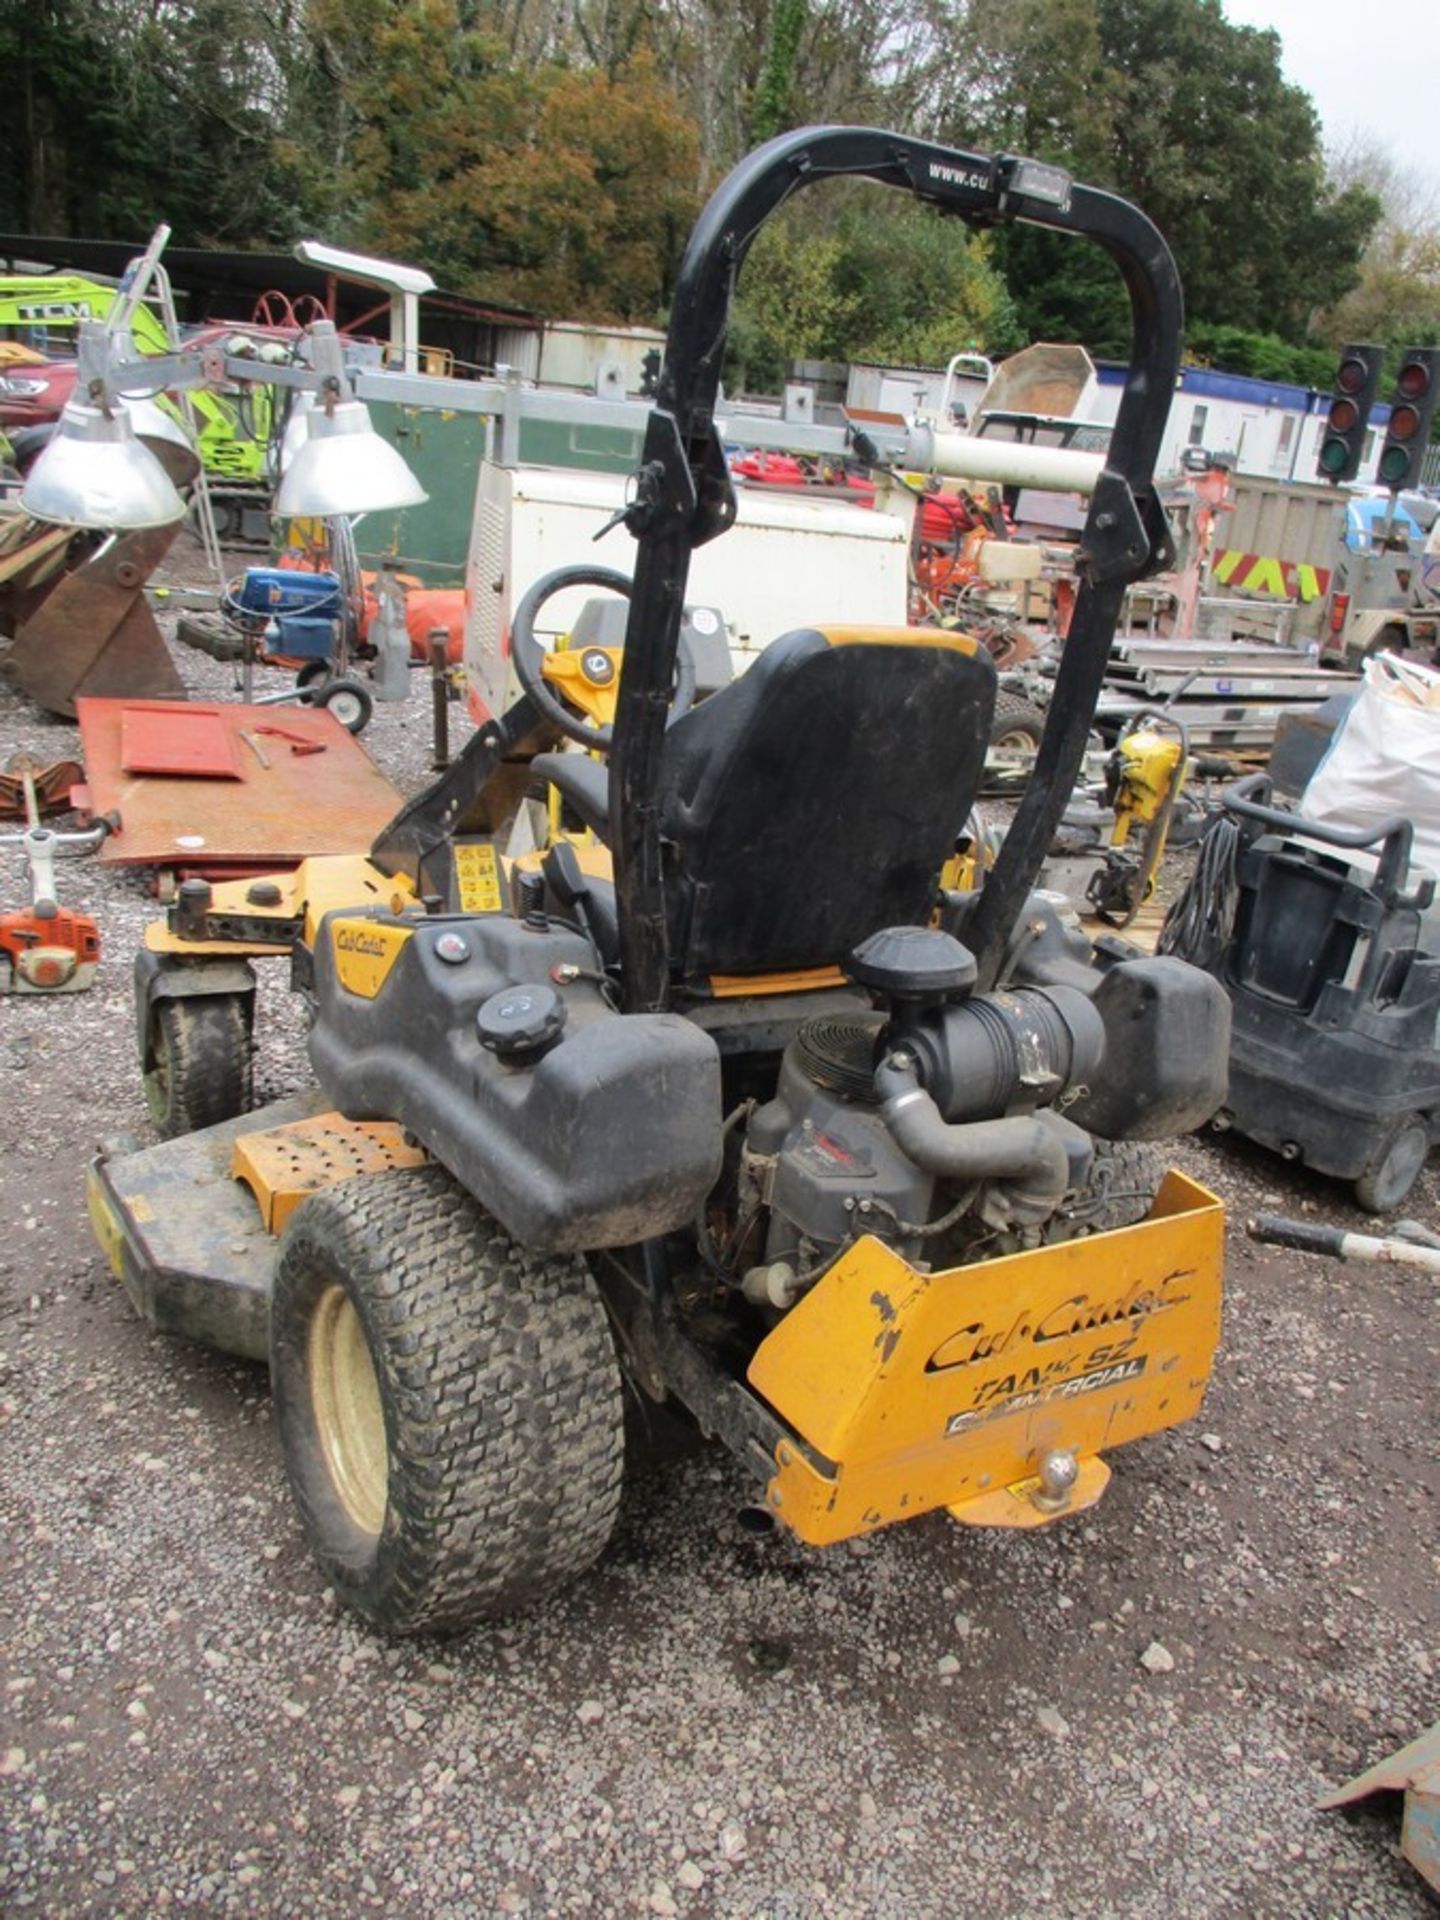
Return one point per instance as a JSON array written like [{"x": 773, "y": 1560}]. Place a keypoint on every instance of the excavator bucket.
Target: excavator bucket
[{"x": 94, "y": 633}]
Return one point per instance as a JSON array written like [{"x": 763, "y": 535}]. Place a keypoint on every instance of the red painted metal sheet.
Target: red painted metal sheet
[
  {"x": 287, "y": 803},
  {"x": 165, "y": 737}
]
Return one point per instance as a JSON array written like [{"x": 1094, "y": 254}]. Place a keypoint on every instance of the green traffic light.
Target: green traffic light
[
  {"x": 1394, "y": 465},
  {"x": 1334, "y": 455}
]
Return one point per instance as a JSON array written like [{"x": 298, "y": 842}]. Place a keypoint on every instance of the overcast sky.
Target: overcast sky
[{"x": 1376, "y": 68}]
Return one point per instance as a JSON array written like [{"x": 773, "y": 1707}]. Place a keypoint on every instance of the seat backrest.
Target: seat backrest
[{"x": 814, "y": 801}]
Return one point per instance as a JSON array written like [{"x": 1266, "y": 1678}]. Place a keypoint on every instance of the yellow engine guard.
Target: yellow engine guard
[{"x": 921, "y": 1390}]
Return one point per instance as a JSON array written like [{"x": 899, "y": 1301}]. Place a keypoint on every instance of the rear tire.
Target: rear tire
[
  {"x": 449, "y": 1405},
  {"x": 197, "y": 1062},
  {"x": 1124, "y": 1178},
  {"x": 1017, "y": 725},
  {"x": 1382, "y": 1187}
]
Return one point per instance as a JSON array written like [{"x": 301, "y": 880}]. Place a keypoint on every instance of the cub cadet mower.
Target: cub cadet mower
[{"x": 733, "y": 1106}]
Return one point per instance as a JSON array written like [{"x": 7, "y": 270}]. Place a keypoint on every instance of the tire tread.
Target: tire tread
[
  {"x": 207, "y": 1045},
  {"x": 498, "y": 1374}
]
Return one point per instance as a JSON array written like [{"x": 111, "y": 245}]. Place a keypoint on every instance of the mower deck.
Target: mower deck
[{"x": 186, "y": 1238}]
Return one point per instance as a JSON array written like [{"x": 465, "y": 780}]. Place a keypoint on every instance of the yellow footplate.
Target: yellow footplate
[
  {"x": 990, "y": 1389},
  {"x": 284, "y": 1165}
]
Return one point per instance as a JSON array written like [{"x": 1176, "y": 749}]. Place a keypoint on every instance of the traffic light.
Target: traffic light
[
  {"x": 1357, "y": 380},
  {"x": 1411, "y": 405}
]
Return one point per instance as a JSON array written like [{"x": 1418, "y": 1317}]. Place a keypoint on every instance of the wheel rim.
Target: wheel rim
[
  {"x": 1018, "y": 740},
  {"x": 349, "y": 1420},
  {"x": 346, "y": 709}
]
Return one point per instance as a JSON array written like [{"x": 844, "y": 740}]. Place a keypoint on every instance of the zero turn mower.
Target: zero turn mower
[{"x": 732, "y": 1105}]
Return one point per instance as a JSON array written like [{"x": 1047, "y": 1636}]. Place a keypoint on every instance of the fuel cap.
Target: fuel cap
[{"x": 521, "y": 1022}]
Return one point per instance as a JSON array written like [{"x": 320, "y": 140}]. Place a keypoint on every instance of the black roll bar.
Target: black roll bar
[{"x": 683, "y": 495}]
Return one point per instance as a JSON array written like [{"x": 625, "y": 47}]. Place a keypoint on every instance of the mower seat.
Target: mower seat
[{"x": 815, "y": 799}]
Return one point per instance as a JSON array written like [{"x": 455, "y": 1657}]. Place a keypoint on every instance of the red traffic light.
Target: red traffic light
[
  {"x": 1413, "y": 380},
  {"x": 1351, "y": 375}
]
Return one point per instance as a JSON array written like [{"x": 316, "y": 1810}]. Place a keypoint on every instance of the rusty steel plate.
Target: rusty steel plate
[{"x": 290, "y": 801}]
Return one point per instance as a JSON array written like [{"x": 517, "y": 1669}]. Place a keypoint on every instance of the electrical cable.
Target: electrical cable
[
  {"x": 723, "y": 1268},
  {"x": 1199, "y": 924},
  {"x": 927, "y": 1230}
]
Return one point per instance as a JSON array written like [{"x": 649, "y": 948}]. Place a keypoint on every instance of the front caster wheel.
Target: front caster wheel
[
  {"x": 197, "y": 1062},
  {"x": 449, "y": 1405}
]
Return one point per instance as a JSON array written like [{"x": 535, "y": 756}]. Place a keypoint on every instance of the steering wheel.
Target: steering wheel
[{"x": 589, "y": 675}]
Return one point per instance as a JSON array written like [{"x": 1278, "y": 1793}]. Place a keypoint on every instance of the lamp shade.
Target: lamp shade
[
  {"x": 297, "y": 429},
  {"x": 97, "y": 473},
  {"x": 344, "y": 467},
  {"x": 166, "y": 439}
]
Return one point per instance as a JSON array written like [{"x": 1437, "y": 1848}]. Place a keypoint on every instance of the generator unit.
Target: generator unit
[{"x": 784, "y": 558}]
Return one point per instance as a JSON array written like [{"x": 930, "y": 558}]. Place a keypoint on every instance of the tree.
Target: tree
[
  {"x": 1397, "y": 298},
  {"x": 855, "y": 273},
  {"x": 553, "y": 152},
  {"x": 1264, "y": 356},
  {"x": 1189, "y": 116},
  {"x": 122, "y": 115},
  {"x": 560, "y": 187},
  {"x": 773, "y": 102}
]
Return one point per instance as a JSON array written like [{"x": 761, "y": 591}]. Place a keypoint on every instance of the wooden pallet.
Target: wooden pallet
[{"x": 1143, "y": 931}]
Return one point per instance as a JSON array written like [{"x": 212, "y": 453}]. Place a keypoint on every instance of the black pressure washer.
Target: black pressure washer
[{"x": 1318, "y": 935}]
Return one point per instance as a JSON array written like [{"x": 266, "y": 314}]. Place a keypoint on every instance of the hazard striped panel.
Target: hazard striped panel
[{"x": 1268, "y": 574}]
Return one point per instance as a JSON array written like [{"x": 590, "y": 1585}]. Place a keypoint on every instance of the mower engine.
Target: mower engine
[{"x": 948, "y": 1121}]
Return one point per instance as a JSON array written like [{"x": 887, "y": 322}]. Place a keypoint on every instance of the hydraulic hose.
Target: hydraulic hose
[{"x": 1021, "y": 1151}]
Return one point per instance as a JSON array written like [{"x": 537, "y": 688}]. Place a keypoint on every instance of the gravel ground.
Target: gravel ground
[{"x": 922, "y": 1723}]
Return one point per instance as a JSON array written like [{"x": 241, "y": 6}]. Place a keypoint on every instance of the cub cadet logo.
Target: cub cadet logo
[
  {"x": 1080, "y": 1314},
  {"x": 364, "y": 954},
  {"x": 356, "y": 940}
]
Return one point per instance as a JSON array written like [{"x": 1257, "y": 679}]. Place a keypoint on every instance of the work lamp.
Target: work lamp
[
  {"x": 342, "y": 466},
  {"x": 98, "y": 472}
]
